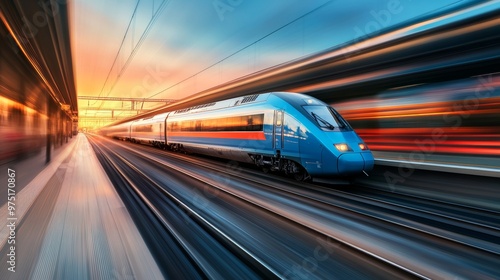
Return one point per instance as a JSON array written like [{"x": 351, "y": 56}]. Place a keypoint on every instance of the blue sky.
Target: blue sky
[{"x": 188, "y": 36}]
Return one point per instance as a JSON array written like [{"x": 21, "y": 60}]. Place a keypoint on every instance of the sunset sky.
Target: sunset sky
[{"x": 173, "y": 49}]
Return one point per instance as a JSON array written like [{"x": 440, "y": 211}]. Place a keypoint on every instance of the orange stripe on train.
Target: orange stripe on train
[{"x": 251, "y": 135}]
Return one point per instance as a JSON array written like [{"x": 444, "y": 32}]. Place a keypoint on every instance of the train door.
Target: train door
[
  {"x": 166, "y": 129},
  {"x": 278, "y": 131}
]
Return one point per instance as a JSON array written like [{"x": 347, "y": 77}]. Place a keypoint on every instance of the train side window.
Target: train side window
[
  {"x": 279, "y": 118},
  {"x": 174, "y": 126}
]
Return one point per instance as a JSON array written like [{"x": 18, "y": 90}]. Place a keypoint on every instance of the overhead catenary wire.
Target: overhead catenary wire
[
  {"x": 138, "y": 45},
  {"x": 244, "y": 48},
  {"x": 119, "y": 49}
]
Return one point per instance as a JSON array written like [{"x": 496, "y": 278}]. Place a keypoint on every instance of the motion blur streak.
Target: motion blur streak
[
  {"x": 22, "y": 130},
  {"x": 456, "y": 117},
  {"x": 299, "y": 230}
]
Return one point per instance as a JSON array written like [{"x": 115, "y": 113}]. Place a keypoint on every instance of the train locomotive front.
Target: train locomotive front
[{"x": 325, "y": 143}]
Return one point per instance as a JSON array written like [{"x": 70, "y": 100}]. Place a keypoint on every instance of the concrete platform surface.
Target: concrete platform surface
[{"x": 70, "y": 223}]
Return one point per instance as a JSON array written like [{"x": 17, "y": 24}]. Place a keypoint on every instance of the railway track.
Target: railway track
[
  {"x": 199, "y": 249},
  {"x": 416, "y": 211},
  {"x": 375, "y": 229}
]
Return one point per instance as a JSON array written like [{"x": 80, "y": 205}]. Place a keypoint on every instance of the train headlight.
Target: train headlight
[
  {"x": 363, "y": 146},
  {"x": 342, "y": 147}
]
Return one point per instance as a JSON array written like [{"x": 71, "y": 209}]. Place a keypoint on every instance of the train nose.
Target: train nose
[{"x": 350, "y": 163}]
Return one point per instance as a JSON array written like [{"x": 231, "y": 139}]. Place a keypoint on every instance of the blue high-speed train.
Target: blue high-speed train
[{"x": 279, "y": 131}]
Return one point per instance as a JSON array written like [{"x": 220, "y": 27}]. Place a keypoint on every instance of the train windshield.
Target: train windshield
[{"x": 327, "y": 117}]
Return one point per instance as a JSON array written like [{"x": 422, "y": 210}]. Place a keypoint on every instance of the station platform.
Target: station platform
[{"x": 70, "y": 223}]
